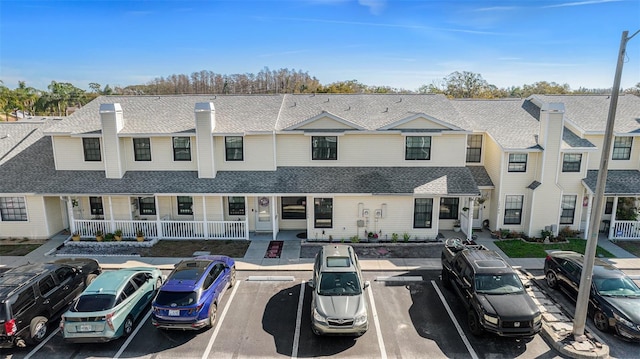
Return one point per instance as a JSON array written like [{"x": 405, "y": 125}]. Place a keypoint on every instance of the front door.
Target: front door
[
  {"x": 263, "y": 214},
  {"x": 477, "y": 215}
]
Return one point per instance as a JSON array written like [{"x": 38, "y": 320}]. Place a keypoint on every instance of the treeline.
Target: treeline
[{"x": 62, "y": 97}]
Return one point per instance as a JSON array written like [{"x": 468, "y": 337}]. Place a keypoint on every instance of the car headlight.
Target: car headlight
[
  {"x": 537, "y": 318},
  {"x": 318, "y": 317},
  {"x": 623, "y": 320},
  {"x": 490, "y": 319},
  {"x": 360, "y": 319}
]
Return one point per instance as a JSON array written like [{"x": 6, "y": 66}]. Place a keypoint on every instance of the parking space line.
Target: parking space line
[
  {"x": 133, "y": 334},
  {"x": 455, "y": 322},
  {"x": 376, "y": 322},
  {"x": 42, "y": 343},
  {"x": 220, "y": 320},
  {"x": 296, "y": 334}
]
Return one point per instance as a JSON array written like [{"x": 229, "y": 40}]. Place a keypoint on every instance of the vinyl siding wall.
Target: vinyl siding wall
[{"x": 69, "y": 155}]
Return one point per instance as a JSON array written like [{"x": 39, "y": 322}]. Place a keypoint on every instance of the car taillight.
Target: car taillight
[
  {"x": 548, "y": 257},
  {"x": 109, "y": 322},
  {"x": 196, "y": 309},
  {"x": 10, "y": 327}
]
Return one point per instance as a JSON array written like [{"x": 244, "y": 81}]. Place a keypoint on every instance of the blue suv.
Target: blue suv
[{"x": 188, "y": 300}]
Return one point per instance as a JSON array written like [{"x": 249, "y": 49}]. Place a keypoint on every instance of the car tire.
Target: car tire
[
  {"x": 552, "y": 279},
  {"x": 90, "y": 278},
  {"x": 601, "y": 321},
  {"x": 446, "y": 279},
  {"x": 232, "y": 277},
  {"x": 213, "y": 313},
  {"x": 38, "y": 330},
  {"x": 474, "y": 323},
  {"x": 127, "y": 326}
]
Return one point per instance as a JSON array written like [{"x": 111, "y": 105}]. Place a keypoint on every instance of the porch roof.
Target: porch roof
[
  {"x": 619, "y": 182},
  {"x": 33, "y": 171}
]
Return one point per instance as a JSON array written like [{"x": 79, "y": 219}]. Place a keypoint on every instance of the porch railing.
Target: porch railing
[
  {"x": 166, "y": 229},
  {"x": 625, "y": 230}
]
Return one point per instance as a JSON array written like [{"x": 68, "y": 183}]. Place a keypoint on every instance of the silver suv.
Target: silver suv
[{"x": 338, "y": 305}]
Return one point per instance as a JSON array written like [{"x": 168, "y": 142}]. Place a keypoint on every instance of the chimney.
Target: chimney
[
  {"x": 205, "y": 123},
  {"x": 112, "y": 122}
]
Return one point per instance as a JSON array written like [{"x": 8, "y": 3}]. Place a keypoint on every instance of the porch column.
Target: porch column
[
  {"x": 72, "y": 221},
  {"x": 204, "y": 217},
  {"x": 470, "y": 219},
  {"x": 613, "y": 217},
  {"x": 111, "y": 220},
  {"x": 587, "y": 224},
  {"x": 274, "y": 225},
  {"x": 158, "y": 223}
]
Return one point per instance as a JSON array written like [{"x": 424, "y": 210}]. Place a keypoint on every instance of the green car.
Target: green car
[{"x": 109, "y": 306}]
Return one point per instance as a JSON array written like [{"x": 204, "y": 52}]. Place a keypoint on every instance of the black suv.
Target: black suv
[
  {"x": 491, "y": 290},
  {"x": 33, "y": 294}
]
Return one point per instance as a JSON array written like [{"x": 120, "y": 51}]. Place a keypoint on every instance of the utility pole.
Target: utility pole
[{"x": 582, "y": 303}]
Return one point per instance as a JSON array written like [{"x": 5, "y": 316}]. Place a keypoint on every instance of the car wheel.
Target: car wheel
[
  {"x": 232, "y": 279},
  {"x": 601, "y": 321},
  {"x": 213, "y": 313},
  {"x": 38, "y": 329},
  {"x": 90, "y": 278},
  {"x": 552, "y": 279},
  {"x": 158, "y": 284},
  {"x": 446, "y": 280},
  {"x": 474, "y": 323},
  {"x": 128, "y": 326}
]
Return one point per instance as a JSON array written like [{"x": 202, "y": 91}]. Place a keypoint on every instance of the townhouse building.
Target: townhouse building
[{"x": 336, "y": 166}]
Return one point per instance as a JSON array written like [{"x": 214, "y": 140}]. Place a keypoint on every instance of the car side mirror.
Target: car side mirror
[
  {"x": 366, "y": 284},
  {"x": 311, "y": 283}
]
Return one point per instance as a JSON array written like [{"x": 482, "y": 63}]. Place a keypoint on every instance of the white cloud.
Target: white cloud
[
  {"x": 375, "y": 6},
  {"x": 580, "y": 3}
]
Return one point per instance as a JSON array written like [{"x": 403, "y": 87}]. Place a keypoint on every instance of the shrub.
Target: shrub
[
  {"x": 406, "y": 236},
  {"x": 355, "y": 239},
  {"x": 394, "y": 237}
]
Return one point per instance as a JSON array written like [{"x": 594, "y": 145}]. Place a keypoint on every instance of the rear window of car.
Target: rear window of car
[
  {"x": 178, "y": 299},
  {"x": 4, "y": 313},
  {"x": 94, "y": 303}
]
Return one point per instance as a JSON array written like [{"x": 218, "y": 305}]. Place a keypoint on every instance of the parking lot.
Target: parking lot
[{"x": 410, "y": 315}]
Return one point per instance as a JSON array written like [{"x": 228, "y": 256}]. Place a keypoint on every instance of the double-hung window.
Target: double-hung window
[
  {"x": 95, "y": 203},
  {"x": 91, "y": 147},
  {"x": 513, "y": 209},
  {"x": 571, "y": 162},
  {"x": 323, "y": 213},
  {"x": 185, "y": 205},
  {"x": 418, "y": 148},
  {"x": 142, "y": 149},
  {"x": 324, "y": 147},
  {"x": 474, "y": 148},
  {"x": 568, "y": 209},
  {"x": 233, "y": 146},
  {"x": 294, "y": 207},
  {"x": 422, "y": 212},
  {"x": 181, "y": 149},
  {"x": 517, "y": 162},
  {"x": 236, "y": 206},
  {"x": 147, "y": 205},
  {"x": 449, "y": 208},
  {"x": 622, "y": 148},
  {"x": 13, "y": 209}
]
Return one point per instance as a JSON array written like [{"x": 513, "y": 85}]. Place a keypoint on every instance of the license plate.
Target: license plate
[
  {"x": 86, "y": 328},
  {"x": 516, "y": 324},
  {"x": 174, "y": 312}
]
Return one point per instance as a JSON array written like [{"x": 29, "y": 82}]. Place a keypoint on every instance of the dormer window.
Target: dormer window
[
  {"x": 91, "y": 147},
  {"x": 233, "y": 146},
  {"x": 418, "y": 148},
  {"x": 142, "y": 149},
  {"x": 622, "y": 148},
  {"x": 474, "y": 148},
  {"x": 324, "y": 147},
  {"x": 571, "y": 162}
]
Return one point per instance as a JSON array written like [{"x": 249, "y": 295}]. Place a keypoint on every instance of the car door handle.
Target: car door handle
[
  {"x": 46, "y": 301},
  {"x": 66, "y": 287}
]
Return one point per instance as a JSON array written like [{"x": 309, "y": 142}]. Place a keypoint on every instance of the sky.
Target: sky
[{"x": 402, "y": 44}]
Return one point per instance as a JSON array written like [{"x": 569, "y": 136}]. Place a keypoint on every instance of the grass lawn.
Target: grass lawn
[
  {"x": 632, "y": 247},
  {"x": 17, "y": 249},
  {"x": 516, "y": 248},
  {"x": 186, "y": 248}
]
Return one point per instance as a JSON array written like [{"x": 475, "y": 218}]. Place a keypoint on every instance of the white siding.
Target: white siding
[
  {"x": 258, "y": 154},
  {"x": 594, "y": 157},
  {"x": 36, "y": 225},
  {"x": 161, "y": 156},
  {"x": 69, "y": 155}
]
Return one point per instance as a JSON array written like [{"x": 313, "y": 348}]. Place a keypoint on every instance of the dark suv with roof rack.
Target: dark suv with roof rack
[
  {"x": 491, "y": 290},
  {"x": 33, "y": 294}
]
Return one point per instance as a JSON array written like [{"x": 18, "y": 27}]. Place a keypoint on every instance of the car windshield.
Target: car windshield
[
  {"x": 498, "y": 284},
  {"x": 339, "y": 283},
  {"x": 94, "y": 303},
  {"x": 176, "y": 299},
  {"x": 620, "y": 286}
]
